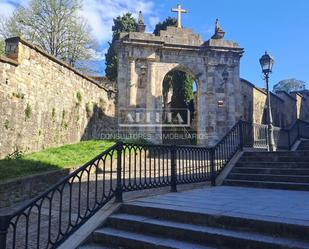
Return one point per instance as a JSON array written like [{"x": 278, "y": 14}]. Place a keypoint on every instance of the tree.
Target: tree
[
  {"x": 55, "y": 26},
  {"x": 182, "y": 89},
  {"x": 2, "y": 45},
  {"x": 290, "y": 85},
  {"x": 170, "y": 21},
  {"x": 125, "y": 23}
]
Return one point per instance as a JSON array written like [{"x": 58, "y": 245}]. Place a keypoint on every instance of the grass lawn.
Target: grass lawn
[{"x": 67, "y": 156}]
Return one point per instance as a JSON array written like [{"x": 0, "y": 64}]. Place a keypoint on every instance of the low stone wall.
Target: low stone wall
[
  {"x": 46, "y": 103},
  {"x": 25, "y": 188}
]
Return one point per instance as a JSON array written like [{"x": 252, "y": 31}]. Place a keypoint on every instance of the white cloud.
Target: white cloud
[
  {"x": 6, "y": 9},
  {"x": 100, "y": 14},
  {"x": 98, "y": 55},
  {"x": 153, "y": 20}
]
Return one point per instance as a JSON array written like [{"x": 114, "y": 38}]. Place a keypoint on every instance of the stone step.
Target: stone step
[
  {"x": 210, "y": 219},
  {"x": 96, "y": 246},
  {"x": 270, "y": 177},
  {"x": 267, "y": 184},
  {"x": 268, "y": 170},
  {"x": 275, "y": 159},
  {"x": 276, "y": 153},
  {"x": 200, "y": 234},
  {"x": 257, "y": 164},
  {"x": 134, "y": 240}
]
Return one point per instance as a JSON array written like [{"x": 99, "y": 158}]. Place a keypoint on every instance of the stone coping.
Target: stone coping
[
  {"x": 261, "y": 90},
  {"x": 56, "y": 60},
  {"x": 289, "y": 95},
  {"x": 204, "y": 46},
  {"x": 8, "y": 60},
  {"x": 172, "y": 37}
]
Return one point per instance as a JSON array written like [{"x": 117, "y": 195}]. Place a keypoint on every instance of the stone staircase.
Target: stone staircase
[
  {"x": 279, "y": 170},
  {"x": 152, "y": 225},
  {"x": 179, "y": 223}
]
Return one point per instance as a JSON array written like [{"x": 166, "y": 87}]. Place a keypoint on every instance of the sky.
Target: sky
[{"x": 279, "y": 26}]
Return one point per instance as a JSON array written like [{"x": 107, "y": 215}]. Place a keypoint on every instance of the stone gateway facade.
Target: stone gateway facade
[
  {"x": 145, "y": 59},
  {"x": 222, "y": 97}
]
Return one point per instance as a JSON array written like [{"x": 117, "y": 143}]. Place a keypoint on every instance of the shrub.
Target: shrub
[
  {"x": 7, "y": 124},
  {"x": 88, "y": 110},
  {"x": 53, "y": 112},
  {"x": 16, "y": 155},
  {"x": 79, "y": 96},
  {"x": 28, "y": 110},
  {"x": 19, "y": 95}
]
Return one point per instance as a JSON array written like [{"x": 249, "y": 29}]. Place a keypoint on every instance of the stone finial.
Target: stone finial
[
  {"x": 140, "y": 27},
  {"x": 140, "y": 19},
  {"x": 219, "y": 33}
]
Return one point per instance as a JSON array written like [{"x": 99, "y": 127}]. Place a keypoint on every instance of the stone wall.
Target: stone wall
[
  {"x": 45, "y": 103},
  {"x": 286, "y": 108},
  {"x": 304, "y": 111},
  {"x": 25, "y": 188}
]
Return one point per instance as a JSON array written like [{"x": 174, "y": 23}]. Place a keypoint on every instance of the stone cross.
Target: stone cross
[{"x": 179, "y": 10}]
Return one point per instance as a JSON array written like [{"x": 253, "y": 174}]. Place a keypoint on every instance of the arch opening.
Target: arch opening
[{"x": 180, "y": 102}]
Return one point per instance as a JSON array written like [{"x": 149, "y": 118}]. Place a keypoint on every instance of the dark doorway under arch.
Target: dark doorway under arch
[{"x": 180, "y": 96}]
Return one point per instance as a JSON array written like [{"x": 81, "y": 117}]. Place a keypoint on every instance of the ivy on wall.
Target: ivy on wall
[{"x": 28, "y": 111}]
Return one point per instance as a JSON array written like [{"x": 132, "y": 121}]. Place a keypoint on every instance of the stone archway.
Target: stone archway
[
  {"x": 145, "y": 59},
  {"x": 180, "y": 90}
]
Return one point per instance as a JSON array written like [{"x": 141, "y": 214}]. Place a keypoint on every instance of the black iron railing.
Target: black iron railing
[
  {"x": 256, "y": 135},
  {"x": 223, "y": 152},
  {"x": 52, "y": 217}
]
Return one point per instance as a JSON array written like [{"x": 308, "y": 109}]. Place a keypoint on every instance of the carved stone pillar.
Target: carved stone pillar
[{"x": 133, "y": 83}]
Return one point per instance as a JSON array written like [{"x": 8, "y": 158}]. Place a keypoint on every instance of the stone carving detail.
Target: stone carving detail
[
  {"x": 140, "y": 27},
  {"x": 141, "y": 69},
  {"x": 219, "y": 33}
]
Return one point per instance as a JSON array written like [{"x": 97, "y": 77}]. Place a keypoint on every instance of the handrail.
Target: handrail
[
  {"x": 54, "y": 215},
  {"x": 74, "y": 201},
  {"x": 65, "y": 179}
]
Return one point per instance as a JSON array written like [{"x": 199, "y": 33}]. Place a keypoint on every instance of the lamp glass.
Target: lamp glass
[{"x": 267, "y": 63}]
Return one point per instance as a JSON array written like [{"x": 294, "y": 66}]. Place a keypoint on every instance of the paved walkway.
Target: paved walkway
[{"x": 265, "y": 204}]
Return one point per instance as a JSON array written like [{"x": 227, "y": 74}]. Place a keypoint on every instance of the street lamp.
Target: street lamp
[{"x": 267, "y": 63}]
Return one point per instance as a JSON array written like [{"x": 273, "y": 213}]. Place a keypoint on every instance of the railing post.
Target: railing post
[
  {"x": 4, "y": 226},
  {"x": 212, "y": 167},
  {"x": 173, "y": 169},
  {"x": 298, "y": 129},
  {"x": 289, "y": 140},
  {"x": 119, "y": 184},
  {"x": 241, "y": 135}
]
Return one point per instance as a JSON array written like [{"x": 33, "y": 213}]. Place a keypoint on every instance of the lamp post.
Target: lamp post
[{"x": 267, "y": 63}]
